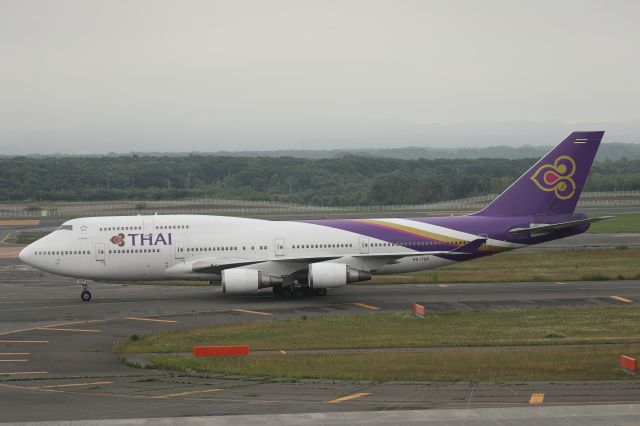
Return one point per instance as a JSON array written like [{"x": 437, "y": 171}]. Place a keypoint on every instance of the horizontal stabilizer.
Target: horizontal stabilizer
[{"x": 543, "y": 229}]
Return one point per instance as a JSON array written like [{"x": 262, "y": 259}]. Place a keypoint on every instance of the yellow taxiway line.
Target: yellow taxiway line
[
  {"x": 247, "y": 311},
  {"x": 70, "y": 385},
  {"x": 171, "y": 395},
  {"x": 151, "y": 319},
  {"x": 14, "y": 360},
  {"x": 24, "y": 341},
  {"x": 536, "y": 398},
  {"x": 621, "y": 299},
  {"x": 15, "y": 373},
  {"x": 348, "y": 397},
  {"x": 81, "y": 330},
  {"x": 364, "y": 305},
  {"x": 15, "y": 353}
]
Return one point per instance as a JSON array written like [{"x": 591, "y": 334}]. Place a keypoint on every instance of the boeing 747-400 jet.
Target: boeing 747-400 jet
[{"x": 298, "y": 257}]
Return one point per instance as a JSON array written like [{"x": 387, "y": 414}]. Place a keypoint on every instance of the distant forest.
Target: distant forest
[
  {"x": 607, "y": 151},
  {"x": 347, "y": 180}
]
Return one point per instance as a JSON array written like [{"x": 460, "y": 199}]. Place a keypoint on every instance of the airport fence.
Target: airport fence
[{"x": 44, "y": 210}]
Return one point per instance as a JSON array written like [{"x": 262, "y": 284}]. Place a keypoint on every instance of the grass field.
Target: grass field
[
  {"x": 558, "y": 265},
  {"x": 588, "y": 325},
  {"x": 486, "y": 365},
  {"x": 467, "y": 342},
  {"x": 626, "y": 222}
]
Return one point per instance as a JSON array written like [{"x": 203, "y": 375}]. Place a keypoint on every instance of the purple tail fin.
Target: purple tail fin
[{"x": 553, "y": 184}]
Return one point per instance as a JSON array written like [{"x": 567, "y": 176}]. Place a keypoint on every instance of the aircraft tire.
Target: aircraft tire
[
  {"x": 286, "y": 293},
  {"x": 320, "y": 292},
  {"x": 85, "y": 296},
  {"x": 298, "y": 293}
]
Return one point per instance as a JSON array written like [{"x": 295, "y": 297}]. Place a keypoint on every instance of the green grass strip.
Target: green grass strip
[
  {"x": 618, "y": 263},
  {"x": 553, "y": 363},
  {"x": 625, "y": 222},
  {"x": 586, "y": 325}
]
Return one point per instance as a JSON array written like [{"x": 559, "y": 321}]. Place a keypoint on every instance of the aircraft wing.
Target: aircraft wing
[
  {"x": 216, "y": 266},
  {"x": 288, "y": 265},
  {"x": 544, "y": 228}
]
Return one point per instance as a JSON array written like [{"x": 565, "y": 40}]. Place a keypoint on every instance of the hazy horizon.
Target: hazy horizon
[{"x": 91, "y": 77}]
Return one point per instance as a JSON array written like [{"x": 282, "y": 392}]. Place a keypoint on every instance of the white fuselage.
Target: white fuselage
[{"x": 167, "y": 247}]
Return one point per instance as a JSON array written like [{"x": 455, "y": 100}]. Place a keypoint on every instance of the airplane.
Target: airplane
[{"x": 310, "y": 256}]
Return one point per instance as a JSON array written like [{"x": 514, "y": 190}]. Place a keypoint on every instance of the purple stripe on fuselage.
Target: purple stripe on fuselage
[
  {"x": 496, "y": 228},
  {"x": 380, "y": 232}
]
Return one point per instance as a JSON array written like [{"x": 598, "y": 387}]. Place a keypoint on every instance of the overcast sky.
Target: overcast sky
[{"x": 99, "y": 76}]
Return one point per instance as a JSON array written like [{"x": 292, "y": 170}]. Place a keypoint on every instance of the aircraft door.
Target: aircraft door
[
  {"x": 147, "y": 225},
  {"x": 364, "y": 245},
  {"x": 279, "y": 247},
  {"x": 179, "y": 250},
  {"x": 99, "y": 252}
]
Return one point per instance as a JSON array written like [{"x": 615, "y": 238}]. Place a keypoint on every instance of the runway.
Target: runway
[{"x": 63, "y": 364}]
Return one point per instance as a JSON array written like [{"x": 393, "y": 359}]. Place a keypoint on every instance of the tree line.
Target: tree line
[{"x": 347, "y": 180}]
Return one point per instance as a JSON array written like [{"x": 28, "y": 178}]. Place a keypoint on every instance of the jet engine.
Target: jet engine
[
  {"x": 245, "y": 280},
  {"x": 332, "y": 275}
]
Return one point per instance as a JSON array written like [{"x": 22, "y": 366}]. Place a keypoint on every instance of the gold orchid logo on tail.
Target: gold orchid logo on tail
[{"x": 556, "y": 177}]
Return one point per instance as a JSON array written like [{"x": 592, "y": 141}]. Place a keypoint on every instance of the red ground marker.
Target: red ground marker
[
  {"x": 628, "y": 363},
  {"x": 419, "y": 310},
  {"x": 238, "y": 350}
]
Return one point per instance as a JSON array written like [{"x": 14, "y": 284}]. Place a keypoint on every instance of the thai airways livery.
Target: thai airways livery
[{"x": 311, "y": 256}]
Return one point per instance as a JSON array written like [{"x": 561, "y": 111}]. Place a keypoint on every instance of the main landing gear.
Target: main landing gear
[
  {"x": 289, "y": 292},
  {"x": 85, "y": 295}
]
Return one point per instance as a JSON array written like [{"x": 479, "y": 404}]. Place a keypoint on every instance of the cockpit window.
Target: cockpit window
[{"x": 65, "y": 228}]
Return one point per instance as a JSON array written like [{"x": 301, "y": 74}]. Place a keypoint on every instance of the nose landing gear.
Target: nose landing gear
[{"x": 85, "y": 295}]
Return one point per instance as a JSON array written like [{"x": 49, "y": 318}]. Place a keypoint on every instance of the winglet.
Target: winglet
[{"x": 470, "y": 247}]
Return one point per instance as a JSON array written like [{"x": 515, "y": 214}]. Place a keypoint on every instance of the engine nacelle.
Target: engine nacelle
[
  {"x": 332, "y": 275},
  {"x": 245, "y": 280}
]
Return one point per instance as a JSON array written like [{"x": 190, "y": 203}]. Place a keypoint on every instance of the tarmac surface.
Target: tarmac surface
[
  {"x": 567, "y": 415},
  {"x": 56, "y": 361},
  {"x": 55, "y": 350}
]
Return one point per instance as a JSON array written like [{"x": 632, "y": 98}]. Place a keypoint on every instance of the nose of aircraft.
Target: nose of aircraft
[{"x": 24, "y": 254}]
